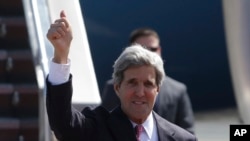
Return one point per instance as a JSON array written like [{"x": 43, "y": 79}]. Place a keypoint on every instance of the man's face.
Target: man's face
[
  {"x": 137, "y": 92},
  {"x": 151, "y": 42}
]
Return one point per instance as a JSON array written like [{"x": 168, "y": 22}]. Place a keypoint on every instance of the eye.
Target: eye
[
  {"x": 132, "y": 82},
  {"x": 149, "y": 84}
]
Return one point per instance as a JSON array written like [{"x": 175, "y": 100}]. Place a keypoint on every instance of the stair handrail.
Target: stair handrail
[
  {"x": 39, "y": 14},
  {"x": 37, "y": 21}
]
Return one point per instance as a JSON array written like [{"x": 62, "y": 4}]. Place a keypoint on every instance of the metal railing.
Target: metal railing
[
  {"x": 37, "y": 20},
  {"x": 38, "y": 15}
]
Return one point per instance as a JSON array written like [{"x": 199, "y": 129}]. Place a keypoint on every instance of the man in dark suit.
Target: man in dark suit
[
  {"x": 137, "y": 75},
  {"x": 173, "y": 102}
]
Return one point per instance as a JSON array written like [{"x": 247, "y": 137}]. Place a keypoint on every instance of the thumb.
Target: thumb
[{"x": 62, "y": 14}]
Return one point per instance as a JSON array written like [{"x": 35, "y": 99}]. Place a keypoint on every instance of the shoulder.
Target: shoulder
[
  {"x": 173, "y": 83},
  {"x": 172, "y": 91},
  {"x": 108, "y": 86},
  {"x": 173, "y": 87},
  {"x": 167, "y": 129},
  {"x": 97, "y": 112}
]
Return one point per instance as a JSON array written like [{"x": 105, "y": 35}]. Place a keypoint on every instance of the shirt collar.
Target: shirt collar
[{"x": 148, "y": 125}]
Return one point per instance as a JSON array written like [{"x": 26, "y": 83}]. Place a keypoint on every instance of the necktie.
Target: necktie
[{"x": 138, "y": 131}]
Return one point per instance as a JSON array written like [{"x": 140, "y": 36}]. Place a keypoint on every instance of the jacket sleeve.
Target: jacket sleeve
[
  {"x": 185, "y": 116},
  {"x": 66, "y": 122}
]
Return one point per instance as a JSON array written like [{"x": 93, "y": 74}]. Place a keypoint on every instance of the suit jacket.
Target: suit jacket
[
  {"x": 172, "y": 103},
  {"x": 98, "y": 124}
]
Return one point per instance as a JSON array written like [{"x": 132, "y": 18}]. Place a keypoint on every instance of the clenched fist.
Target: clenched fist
[{"x": 60, "y": 35}]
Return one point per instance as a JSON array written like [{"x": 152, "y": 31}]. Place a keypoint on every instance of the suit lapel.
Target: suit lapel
[
  {"x": 120, "y": 127},
  {"x": 164, "y": 132}
]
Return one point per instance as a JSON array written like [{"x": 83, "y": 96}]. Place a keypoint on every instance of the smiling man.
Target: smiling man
[
  {"x": 136, "y": 84},
  {"x": 138, "y": 74},
  {"x": 173, "y": 102},
  {"x": 137, "y": 92}
]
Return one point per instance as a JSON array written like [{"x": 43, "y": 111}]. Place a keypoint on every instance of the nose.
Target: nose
[{"x": 140, "y": 91}]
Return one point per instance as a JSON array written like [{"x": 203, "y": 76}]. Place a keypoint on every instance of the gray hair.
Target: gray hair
[{"x": 137, "y": 55}]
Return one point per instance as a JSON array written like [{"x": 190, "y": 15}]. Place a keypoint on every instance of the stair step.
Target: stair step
[
  {"x": 17, "y": 67},
  {"x": 29, "y": 129},
  {"x": 12, "y": 129},
  {"x": 3, "y": 58},
  {"x": 9, "y": 129},
  {"x": 6, "y": 91},
  {"x": 11, "y": 7},
  {"x": 28, "y": 105},
  {"x": 13, "y": 33},
  {"x": 19, "y": 100},
  {"x": 18, "y": 85}
]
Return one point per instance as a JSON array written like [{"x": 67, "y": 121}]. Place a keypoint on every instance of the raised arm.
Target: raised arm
[{"x": 60, "y": 35}]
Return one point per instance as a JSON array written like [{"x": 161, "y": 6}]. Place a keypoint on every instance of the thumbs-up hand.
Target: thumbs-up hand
[{"x": 60, "y": 35}]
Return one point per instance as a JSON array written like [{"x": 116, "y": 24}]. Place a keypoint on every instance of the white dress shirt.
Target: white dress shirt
[
  {"x": 149, "y": 132},
  {"x": 59, "y": 74}
]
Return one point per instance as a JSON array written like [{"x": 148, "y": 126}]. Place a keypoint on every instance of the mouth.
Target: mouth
[{"x": 138, "y": 102}]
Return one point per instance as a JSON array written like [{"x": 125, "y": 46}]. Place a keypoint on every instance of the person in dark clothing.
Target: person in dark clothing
[
  {"x": 138, "y": 74},
  {"x": 173, "y": 101}
]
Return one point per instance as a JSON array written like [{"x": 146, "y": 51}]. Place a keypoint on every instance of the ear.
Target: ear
[
  {"x": 117, "y": 89},
  {"x": 158, "y": 89}
]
